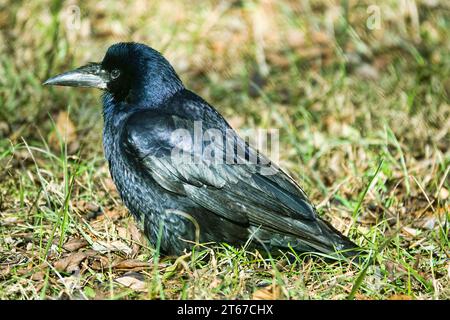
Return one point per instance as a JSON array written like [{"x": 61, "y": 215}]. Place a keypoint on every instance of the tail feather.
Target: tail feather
[
  {"x": 328, "y": 241},
  {"x": 337, "y": 241}
]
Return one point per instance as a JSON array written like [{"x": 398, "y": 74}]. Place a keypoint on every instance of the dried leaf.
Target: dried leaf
[
  {"x": 72, "y": 262},
  {"x": 411, "y": 231},
  {"x": 99, "y": 263},
  {"x": 137, "y": 236},
  {"x": 91, "y": 210},
  {"x": 430, "y": 219},
  {"x": 429, "y": 223},
  {"x": 131, "y": 281},
  {"x": 131, "y": 264},
  {"x": 75, "y": 244},
  {"x": 271, "y": 292},
  {"x": 113, "y": 246},
  {"x": 38, "y": 276}
]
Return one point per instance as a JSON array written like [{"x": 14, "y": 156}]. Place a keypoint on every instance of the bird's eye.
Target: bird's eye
[{"x": 115, "y": 74}]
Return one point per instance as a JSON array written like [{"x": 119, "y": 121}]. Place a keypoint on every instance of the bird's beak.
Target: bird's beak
[{"x": 91, "y": 76}]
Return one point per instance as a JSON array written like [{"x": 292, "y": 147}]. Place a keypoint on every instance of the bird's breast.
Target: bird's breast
[{"x": 131, "y": 183}]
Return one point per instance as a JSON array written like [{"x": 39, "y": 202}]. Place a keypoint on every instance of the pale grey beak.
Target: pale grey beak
[{"x": 90, "y": 76}]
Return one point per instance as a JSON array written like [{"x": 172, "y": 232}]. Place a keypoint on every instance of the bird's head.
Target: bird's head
[{"x": 131, "y": 73}]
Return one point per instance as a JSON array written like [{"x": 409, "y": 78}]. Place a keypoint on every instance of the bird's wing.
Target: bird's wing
[{"x": 247, "y": 193}]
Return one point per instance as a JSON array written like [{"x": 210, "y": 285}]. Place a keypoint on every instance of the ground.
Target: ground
[{"x": 358, "y": 90}]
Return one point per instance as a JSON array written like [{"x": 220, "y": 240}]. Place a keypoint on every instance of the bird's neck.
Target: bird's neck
[{"x": 153, "y": 94}]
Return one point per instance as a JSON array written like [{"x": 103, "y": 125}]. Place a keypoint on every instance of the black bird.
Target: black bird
[{"x": 181, "y": 194}]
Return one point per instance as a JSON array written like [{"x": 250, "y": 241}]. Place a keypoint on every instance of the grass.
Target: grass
[{"x": 363, "y": 115}]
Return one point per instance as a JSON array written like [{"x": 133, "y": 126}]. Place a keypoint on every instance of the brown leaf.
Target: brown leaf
[
  {"x": 136, "y": 234},
  {"x": 138, "y": 238},
  {"x": 430, "y": 219},
  {"x": 133, "y": 281},
  {"x": 98, "y": 262},
  {"x": 72, "y": 262},
  {"x": 271, "y": 292},
  {"x": 38, "y": 276},
  {"x": 65, "y": 132},
  {"x": 75, "y": 244},
  {"x": 117, "y": 245},
  {"x": 90, "y": 209},
  {"x": 410, "y": 232},
  {"x": 131, "y": 264}
]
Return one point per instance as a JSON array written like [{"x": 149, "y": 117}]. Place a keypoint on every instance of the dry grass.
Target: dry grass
[{"x": 347, "y": 98}]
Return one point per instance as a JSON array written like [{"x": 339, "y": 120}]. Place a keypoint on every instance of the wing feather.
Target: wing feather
[{"x": 238, "y": 192}]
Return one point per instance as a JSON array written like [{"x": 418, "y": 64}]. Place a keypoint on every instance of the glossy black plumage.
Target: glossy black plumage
[{"x": 184, "y": 197}]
